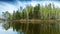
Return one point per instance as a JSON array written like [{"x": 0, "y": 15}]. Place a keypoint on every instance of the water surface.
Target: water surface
[{"x": 9, "y": 31}]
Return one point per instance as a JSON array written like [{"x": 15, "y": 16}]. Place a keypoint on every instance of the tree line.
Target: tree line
[{"x": 34, "y": 12}]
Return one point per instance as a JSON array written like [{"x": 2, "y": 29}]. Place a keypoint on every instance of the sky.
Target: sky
[{"x": 13, "y": 5}]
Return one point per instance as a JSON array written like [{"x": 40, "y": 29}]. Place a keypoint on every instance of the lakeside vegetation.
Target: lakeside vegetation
[{"x": 46, "y": 12}]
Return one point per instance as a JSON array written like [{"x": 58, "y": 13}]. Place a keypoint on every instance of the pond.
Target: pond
[{"x": 17, "y": 27}]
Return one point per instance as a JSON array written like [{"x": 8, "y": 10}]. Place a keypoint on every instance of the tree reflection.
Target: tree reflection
[{"x": 33, "y": 28}]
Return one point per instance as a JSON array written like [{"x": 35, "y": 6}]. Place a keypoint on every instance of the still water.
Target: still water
[
  {"x": 17, "y": 27},
  {"x": 9, "y": 31}
]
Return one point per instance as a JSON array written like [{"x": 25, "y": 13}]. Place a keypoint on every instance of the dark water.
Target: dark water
[{"x": 17, "y": 27}]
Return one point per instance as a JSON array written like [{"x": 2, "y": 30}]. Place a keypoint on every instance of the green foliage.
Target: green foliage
[
  {"x": 38, "y": 12},
  {"x": 17, "y": 15},
  {"x": 24, "y": 14},
  {"x": 7, "y": 15}
]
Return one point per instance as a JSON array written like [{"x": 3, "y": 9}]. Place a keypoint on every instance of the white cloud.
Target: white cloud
[
  {"x": 7, "y": 7},
  {"x": 42, "y": 3},
  {"x": 44, "y": 0},
  {"x": 21, "y": 4},
  {"x": 57, "y": 4}
]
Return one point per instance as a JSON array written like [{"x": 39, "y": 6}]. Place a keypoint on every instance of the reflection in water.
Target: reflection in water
[
  {"x": 9, "y": 31},
  {"x": 34, "y": 27}
]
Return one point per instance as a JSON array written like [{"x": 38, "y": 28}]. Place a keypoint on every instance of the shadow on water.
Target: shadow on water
[{"x": 34, "y": 27}]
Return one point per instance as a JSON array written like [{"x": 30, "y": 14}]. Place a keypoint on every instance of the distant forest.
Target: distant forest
[{"x": 37, "y": 12}]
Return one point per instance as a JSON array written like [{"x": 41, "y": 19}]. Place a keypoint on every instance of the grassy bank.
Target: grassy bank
[{"x": 36, "y": 21}]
